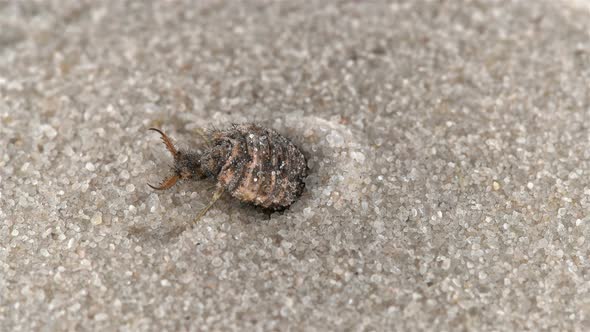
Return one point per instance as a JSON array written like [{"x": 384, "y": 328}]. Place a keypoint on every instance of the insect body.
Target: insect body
[{"x": 254, "y": 164}]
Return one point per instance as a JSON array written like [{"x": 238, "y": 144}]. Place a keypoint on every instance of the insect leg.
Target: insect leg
[
  {"x": 201, "y": 133},
  {"x": 216, "y": 196},
  {"x": 210, "y": 187}
]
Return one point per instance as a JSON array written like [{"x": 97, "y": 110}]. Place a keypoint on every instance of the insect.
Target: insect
[{"x": 253, "y": 164}]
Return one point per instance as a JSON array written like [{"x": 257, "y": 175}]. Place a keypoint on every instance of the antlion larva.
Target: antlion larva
[{"x": 254, "y": 164}]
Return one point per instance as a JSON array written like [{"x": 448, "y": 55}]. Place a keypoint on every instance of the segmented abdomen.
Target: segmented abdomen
[{"x": 263, "y": 167}]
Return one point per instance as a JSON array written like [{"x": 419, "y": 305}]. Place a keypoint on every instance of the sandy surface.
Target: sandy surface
[{"x": 448, "y": 144}]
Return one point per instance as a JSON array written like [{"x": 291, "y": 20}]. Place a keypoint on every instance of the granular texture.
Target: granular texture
[{"x": 448, "y": 146}]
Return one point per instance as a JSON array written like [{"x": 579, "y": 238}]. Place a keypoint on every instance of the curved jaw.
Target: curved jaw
[
  {"x": 168, "y": 142},
  {"x": 170, "y": 181},
  {"x": 167, "y": 183}
]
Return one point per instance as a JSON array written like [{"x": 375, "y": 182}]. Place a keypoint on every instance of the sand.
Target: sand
[{"x": 448, "y": 147}]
